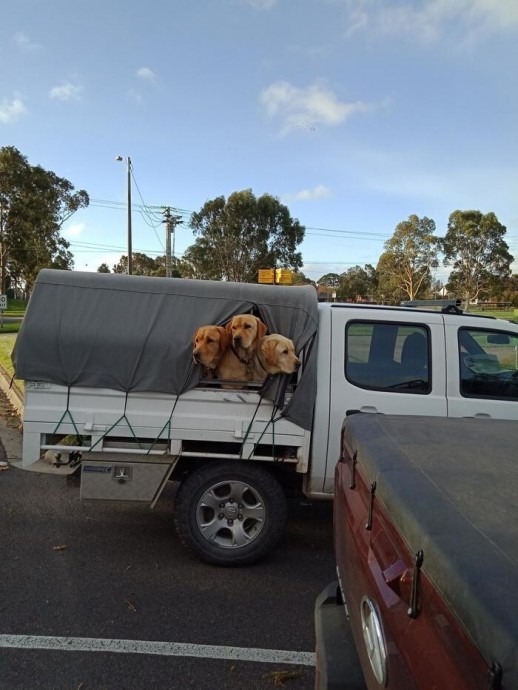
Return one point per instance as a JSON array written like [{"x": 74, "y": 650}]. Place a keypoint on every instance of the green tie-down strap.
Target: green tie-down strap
[
  {"x": 122, "y": 417},
  {"x": 271, "y": 421},
  {"x": 167, "y": 426},
  {"x": 65, "y": 413}
]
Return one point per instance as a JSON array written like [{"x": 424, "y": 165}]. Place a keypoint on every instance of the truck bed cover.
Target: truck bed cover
[
  {"x": 450, "y": 487},
  {"x": 134, "y": 333}
]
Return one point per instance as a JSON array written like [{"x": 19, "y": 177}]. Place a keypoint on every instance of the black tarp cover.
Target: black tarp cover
[{"x": 134, "y": 333}]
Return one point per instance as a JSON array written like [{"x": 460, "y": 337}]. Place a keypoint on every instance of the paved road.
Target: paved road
[{"x": 76, "y": 576}]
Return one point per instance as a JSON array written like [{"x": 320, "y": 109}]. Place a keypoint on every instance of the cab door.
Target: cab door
[{"x": 385, "y": 361}]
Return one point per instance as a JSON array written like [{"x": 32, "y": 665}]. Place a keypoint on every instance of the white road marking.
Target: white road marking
[{"x": 93, "y": 644}]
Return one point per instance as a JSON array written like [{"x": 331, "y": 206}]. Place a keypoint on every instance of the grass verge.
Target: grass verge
[{"x": 7, "y": 341}]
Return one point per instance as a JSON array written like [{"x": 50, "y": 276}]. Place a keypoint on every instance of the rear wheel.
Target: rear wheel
[{"x": 230, "y": 513}]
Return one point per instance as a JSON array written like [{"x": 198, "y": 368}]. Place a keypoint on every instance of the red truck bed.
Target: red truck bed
[{"x": 444, "y": 491}]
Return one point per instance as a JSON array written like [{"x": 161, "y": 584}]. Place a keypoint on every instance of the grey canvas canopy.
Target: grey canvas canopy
[{"x": 134, "y": 333}]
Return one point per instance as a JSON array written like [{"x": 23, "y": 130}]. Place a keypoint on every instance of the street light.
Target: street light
[{"x": 128, "y": 162}]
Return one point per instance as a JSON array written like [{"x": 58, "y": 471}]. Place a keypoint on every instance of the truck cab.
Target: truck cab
[{"x": 407, "y": 361}]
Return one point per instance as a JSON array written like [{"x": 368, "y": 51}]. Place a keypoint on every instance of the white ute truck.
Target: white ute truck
[{"x": 112, "y": 391}]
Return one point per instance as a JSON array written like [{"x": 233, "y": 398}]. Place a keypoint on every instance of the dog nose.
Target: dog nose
[
  {"x": 237, "y": 339},
  {"x": 297, "y": 364},
  {"x": 196, "y": 357}
]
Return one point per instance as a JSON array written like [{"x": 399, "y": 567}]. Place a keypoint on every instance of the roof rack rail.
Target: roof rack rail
[{"x": 447, "y": 306}]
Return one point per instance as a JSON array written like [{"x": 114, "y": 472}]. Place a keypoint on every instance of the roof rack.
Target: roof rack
[{"x": 447, "y": 306}]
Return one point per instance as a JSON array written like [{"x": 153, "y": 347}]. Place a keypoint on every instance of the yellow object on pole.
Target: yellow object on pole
[
  {"x": 266, "y": 275},
  {"x": 283, "y": 276}
]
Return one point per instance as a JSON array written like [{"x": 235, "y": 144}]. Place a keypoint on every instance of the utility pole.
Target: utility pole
[
  {"x": 128, "y": 174},
  {"x": 170, "y": 223}
]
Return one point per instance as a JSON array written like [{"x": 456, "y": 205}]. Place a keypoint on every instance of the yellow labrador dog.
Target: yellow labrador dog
[
  {"x": 275, "y": 354},
  {"x": 244, "y": 332},
  {"x": 210, "y": 343}
]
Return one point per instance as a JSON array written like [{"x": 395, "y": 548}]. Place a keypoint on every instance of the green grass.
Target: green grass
[
  {"x": 8, "y": 333},
  {"x": 7, "y": 341},
  {"x": 15, "y": 307},
  {"x": 512, "y": 314},
  {"x": 10, "y": 327}
]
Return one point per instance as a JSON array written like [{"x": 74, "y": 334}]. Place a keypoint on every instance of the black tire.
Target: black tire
[{"x": 230, "y": 513}]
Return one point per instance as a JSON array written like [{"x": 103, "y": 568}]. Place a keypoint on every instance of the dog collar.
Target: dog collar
[{"x": 241, "y": 359}]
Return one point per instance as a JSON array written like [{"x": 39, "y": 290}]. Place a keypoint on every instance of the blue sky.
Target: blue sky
[{"x": 354, "y": 113}]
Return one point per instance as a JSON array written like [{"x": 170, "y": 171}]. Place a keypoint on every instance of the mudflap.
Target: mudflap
[{"x": 337, "y": 664}]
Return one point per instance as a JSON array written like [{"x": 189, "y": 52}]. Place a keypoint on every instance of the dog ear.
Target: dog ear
[
  {"x": 268, "y": 349},
  {"x": 225, "y": 336},
  {"x": 228, "y": 328},
  {"x": 195, "y": 335},
  {"x": 262, "y": 329}
]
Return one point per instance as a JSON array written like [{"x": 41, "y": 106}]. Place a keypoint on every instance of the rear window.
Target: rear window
[
  {"x": 385, "y": 356},
  {"x": 488, "y": 364}
]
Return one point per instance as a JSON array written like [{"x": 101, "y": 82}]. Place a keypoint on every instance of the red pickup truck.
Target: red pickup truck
[{"x": 426, "y": 544}]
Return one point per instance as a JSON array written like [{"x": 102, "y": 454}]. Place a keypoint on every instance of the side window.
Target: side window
[
  {"x": 388, "y": 356},
  {"x": 488, "y": 364}
]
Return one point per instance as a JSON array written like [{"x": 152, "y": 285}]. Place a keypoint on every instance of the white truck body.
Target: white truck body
[{"x": 131, "y": 444}]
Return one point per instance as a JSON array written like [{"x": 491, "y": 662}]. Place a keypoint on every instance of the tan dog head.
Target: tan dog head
[
  {"x": 245, "y": 330},
  {"x": 210, "y": 344},
  {"x": 277, "y": 354}
]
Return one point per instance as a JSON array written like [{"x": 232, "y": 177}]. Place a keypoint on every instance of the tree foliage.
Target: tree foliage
[
  {"x": 144, "y": 265},
  {"x": 239, "y": 235},
  {"x": 330, "y": 280},
  {"x": 474, "y": 246},
  {"x": 300, "y": 278},
  {"x": 358, "y": 284},
  {"x": 34, "y": 204},
  {"x": 355, "y": 284},
  {"x": 405, "y": 267}
]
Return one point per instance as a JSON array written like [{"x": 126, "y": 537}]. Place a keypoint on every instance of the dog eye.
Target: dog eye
[
  {"x": 285, "y": 352},
  {"x": 247, "y": 325}
]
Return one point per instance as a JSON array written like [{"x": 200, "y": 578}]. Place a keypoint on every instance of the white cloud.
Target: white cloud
[
  {"x": 430, "y": 19},
  {"x": 24, "y": 42},
  {"x": 146, "y": 74},
  {"x": 10, "y": 111},
  {"x": 74, "y": 230},
  {"x": 66, "y": 92},
  {"x": 307, "y": 108},
  {"x": 318, "y": 192}
]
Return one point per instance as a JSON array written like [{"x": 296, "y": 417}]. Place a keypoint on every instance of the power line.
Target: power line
[{"x": 319, "y": 232}]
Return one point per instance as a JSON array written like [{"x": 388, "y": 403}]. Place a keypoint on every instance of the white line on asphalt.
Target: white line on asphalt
[{"x": 93, "y": 644}]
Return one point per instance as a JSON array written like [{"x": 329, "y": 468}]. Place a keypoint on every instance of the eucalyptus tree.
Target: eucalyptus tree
[
  {"x": 405, "y": 267},
  {"x": 235, "y": 237},
  {"x": 475, "y": 248},
  {"x": 34, "y": 204}
]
